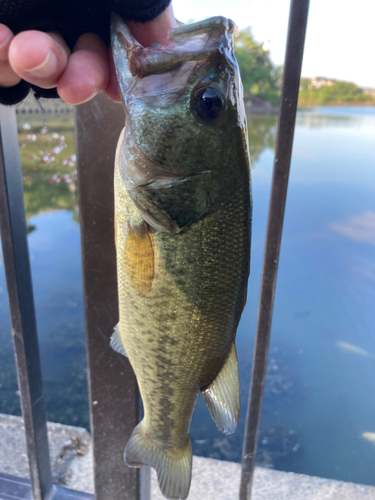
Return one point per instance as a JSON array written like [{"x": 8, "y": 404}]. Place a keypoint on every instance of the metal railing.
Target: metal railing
[{"x": 114, "y": 407}]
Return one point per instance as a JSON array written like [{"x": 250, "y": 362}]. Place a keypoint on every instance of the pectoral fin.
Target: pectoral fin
[
  {"x": 139, "y": 258},
  {"x": 222, "y": 396},
  {"x": 170, "y": 204},
  {"x": 116, "y": 342}
]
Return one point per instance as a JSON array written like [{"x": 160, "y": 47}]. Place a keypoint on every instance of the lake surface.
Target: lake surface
[{"x": 320, "y": 387}]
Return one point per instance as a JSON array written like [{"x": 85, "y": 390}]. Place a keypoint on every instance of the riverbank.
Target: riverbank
[
  {"x": 256, "y": 106},
  {"x": 308, "y": 104}
]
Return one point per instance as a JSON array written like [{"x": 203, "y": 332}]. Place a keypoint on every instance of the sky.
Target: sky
[{"x": 340, "y": 39}]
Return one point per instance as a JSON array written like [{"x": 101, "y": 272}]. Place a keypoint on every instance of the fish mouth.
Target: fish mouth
[{"x": 195, "y": 42}]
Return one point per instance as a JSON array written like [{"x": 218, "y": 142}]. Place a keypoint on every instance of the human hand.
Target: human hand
[{"x": 44, "y": 59}]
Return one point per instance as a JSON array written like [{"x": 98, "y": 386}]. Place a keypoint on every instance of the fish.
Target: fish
[
  {"x": 345, "y": 346},
  {"x": 183, "y": 212},
  {"x": 370, "y": 436}
]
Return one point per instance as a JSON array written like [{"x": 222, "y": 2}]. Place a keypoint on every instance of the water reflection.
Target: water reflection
[
  {"x": 262, "y": 135},
  {"x": 360, "y": 228},
  {"x": 48, "y": 164},
  {"x": 353, "y": 349},
  {"x": 329, "y": 117},
  {"x": 49, "y": 181}
]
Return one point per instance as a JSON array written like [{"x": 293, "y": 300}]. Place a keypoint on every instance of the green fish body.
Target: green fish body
[{"x": 183, "y": 219}]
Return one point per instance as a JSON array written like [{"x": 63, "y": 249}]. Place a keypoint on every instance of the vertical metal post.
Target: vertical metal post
[
  {"x": 284, "y": 143},
  {"x": 21, "y": 302},
  {"x": 114, "y": 399}
]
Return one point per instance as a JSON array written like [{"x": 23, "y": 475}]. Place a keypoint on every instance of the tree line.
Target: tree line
[
  {"x": 333, "y": 92},
  {"x": 262, "y": 78}
]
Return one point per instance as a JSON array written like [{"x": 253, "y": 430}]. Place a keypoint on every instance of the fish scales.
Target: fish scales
[
  {"x": 182, "y": 219},
  {"x": 187, "y": 273}
]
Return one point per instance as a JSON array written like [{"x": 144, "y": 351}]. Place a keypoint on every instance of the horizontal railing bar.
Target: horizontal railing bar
[
  {"x": 283, "y": 153},
  {"x": 21, "y": 304},
  {"x": 19, "y": 488}
]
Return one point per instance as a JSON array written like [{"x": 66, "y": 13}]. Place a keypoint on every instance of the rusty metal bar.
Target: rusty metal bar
[
  {"x": 114, "y": 397},
  {"x": 284, "y": 143},
  {"x": 21, "y": 303}
]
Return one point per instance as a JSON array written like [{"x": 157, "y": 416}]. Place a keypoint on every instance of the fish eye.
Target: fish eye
[{"x": 208, "y": 102}]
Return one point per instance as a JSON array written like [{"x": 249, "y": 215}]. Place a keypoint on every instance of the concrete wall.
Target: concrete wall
[{"x": 72, "y": 465}]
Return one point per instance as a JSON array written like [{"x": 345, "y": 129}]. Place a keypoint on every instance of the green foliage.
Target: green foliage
[
  {"x": 304, "y": 84},
  {"x": 333, "y": 92},
  {"x": 41, "y": 196},
  {"x": 260, "y": 77},
  {"x": 262, "y": 135},
  {"x": 49, "y": 180}
]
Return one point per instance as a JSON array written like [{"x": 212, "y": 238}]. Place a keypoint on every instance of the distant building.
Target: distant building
[
  {"x": 368, "y": 91},
  {"x": 317, "y": 82},
  {"x": 320, "y": 81}
]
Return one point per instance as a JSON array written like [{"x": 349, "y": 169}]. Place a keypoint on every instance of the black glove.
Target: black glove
[{"x": 71, "y": 19}]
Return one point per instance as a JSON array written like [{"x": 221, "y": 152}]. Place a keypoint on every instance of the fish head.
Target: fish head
[
  {"x": 184, "y": 98},
  {"x": 185, "y": 144}
]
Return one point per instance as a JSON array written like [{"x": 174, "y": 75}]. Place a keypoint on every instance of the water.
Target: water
[{"x": 319, "y": 394}]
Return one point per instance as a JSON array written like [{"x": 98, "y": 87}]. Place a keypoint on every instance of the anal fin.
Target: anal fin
[
  {"x": 222, "y": 396},
  {"x": 116, "y": 342}
]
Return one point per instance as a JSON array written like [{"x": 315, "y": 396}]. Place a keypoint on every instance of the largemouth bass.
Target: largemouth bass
[{"x": 183, "y": 219}]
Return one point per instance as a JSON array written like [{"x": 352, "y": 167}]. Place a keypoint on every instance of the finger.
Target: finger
[
  {"x": 112, "y": 88},
  {"x": 8, "y": 78},
  {"x": 145, "y": 33},
  {"x": 39, "y": 58},
  {"x": 155, "y": 30},
  {"x": 87, "y": 72}
]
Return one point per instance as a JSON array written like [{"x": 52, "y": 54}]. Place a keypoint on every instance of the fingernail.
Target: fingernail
[
  {"x": 4, "y": 57},
  {"x": 47, "y": 68},
  {"x": 88, "y": 98}
]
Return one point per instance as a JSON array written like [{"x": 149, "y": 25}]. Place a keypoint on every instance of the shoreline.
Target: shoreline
[{"x": 309, "y": 105}]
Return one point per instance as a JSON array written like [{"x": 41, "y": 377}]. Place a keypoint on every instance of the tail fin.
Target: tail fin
[{"x": 173, "y": 466}]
